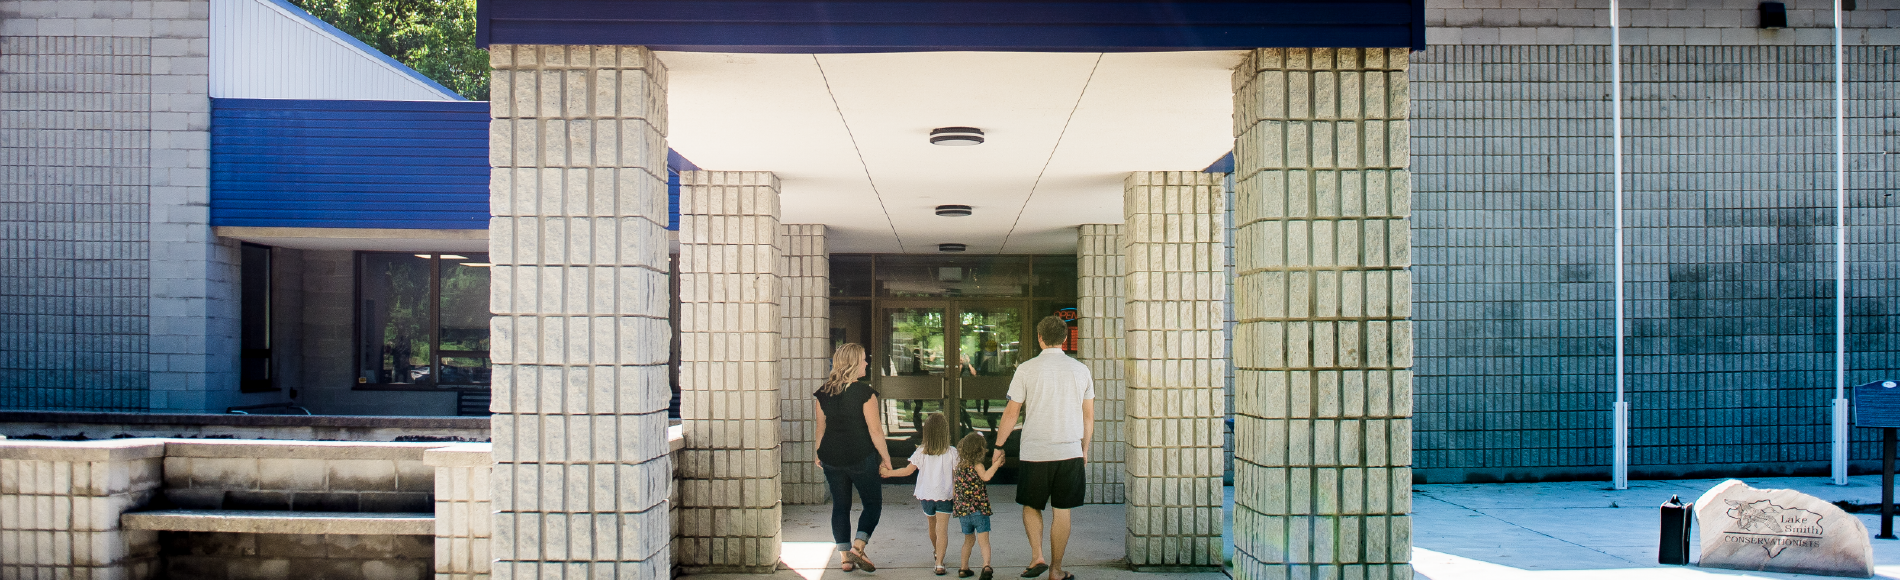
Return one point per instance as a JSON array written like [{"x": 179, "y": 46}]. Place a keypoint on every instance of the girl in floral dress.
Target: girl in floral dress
[{"x": 970, "y": 500}]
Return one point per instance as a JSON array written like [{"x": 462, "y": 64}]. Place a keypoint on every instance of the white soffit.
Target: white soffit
[
  {"x": 774, "y": 112},
  {"x": 271, "y": 49}
]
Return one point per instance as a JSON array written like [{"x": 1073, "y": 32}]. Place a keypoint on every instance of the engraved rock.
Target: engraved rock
[{"x": 1780, "y": 530}]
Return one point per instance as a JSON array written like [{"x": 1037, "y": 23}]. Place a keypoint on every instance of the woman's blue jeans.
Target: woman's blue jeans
[{"x": 864, "y": 477}]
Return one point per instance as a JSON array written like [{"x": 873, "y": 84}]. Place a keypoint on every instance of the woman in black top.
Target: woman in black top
[{"x": 851, "y": 451}]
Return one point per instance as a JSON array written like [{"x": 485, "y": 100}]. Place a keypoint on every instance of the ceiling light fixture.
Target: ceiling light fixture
[
  {"x": 953, "y": 210},
  {"x": 951, "y": 247},
  {"x": 956, "y": 136}
]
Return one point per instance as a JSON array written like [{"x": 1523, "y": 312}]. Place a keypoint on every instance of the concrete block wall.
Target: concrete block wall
[
  {"x": 464, "y": 524},
  {"x": 579, "y": 292},
  {"x": 1323, "y": 346},
  {"x": 314, "y": 476},
  {"x": 60, "y": 504},
  {"x": 131, "y": 298},
  {"x": 1654, "y": 22},
  {"x": 246, "y": 556},
  {"x": 1174, "y": 319},
  {"x": 804, "y": 354},
  {"x": 730, "y": 325},
  {"x": 1729, "y": 221},
  {"x": 1099, "y": 306}
]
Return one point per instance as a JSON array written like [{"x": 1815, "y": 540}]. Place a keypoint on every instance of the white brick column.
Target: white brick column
[
  {"x": 1098, "y": 308},
  {"x": 729, "y": 371},
  {"x": 1176, "y": 364},
  {"x": 805, "y": 352},
  {"x": 579, "y": 293},
  {"x": 1323, "y": 345}
]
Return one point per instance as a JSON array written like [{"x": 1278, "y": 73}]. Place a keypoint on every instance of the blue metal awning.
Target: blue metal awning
[
  {"x": 358, "y": 164},
  {"x": 805, "y": 26}
]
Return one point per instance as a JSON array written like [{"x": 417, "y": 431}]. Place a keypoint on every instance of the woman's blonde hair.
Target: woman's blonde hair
[
  {"x": 843, "y": 361},
  {"x": 972, "y": 450},
  {"x": 936, "y": 434}
]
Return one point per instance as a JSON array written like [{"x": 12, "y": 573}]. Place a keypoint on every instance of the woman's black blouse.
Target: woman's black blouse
[{"x": 847, "y": 439}]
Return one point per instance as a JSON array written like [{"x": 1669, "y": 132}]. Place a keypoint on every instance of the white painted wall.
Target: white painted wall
[{"x": 271, "y": 49}]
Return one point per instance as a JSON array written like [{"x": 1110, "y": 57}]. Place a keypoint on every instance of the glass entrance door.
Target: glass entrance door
[{"x": 949, "y": 356}]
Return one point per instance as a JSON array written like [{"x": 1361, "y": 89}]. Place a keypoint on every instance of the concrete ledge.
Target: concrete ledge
[
  {"x": 460, "y": 455},
  {"x": 675, "y": 438},
  {"x": 267, "y": 522},
  {"x": 82, "y": 451},
  {"x": 358, "y": 421},
  {"x": 268, "y": 449}
]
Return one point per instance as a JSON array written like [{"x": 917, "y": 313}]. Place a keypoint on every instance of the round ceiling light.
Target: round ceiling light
[
  {"x": 951, "y": 247},
  {"x": 956, "y": 136},
  {"x": 953, "y": 210}
]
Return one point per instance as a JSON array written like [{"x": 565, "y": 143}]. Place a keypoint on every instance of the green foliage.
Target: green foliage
[{"x": 435, "y": 37}]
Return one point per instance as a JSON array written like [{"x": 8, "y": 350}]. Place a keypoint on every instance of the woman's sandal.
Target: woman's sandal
[
  {"x": 856, "y": 557},
  {"x": 1036, "y": 570}
]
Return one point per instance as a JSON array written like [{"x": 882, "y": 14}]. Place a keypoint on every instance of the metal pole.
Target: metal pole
[
  {"x": 1620, "y": 460},
  {"x": 1840, "y": 256},
  {"x": 1886, "y": 483}
]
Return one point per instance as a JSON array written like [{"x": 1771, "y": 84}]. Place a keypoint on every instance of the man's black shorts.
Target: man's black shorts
[{"x": 1051, "y": 483}]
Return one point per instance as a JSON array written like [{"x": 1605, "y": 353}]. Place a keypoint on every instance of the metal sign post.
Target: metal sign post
[{"x": 1877, "y": 405}]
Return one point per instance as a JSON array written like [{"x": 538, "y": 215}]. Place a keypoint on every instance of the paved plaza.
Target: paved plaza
[{"x": 1555, "y": 531}]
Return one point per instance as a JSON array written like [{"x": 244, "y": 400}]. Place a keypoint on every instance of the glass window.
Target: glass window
[
  {"x": 254, "y": 324},
  {"x": 423, "y": 320},
  {"x": 952, "y": 276}
]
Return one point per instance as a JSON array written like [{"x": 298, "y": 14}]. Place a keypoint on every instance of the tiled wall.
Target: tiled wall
[
  {"x": 1099, "y": 306},
  {"x": 118, "y": 297},
  {"x": 1323, "y": 348},
  {"x": 804, "y": 354},
  {"x": 60, "y": 506},
  {"x": 1658, "y": 22},
  {"x": 1174, "y": 317},
  {"x": 579, "y": 291},
  {"x": 730, "y": 323},
  {"x": 1729, "y": 199}
]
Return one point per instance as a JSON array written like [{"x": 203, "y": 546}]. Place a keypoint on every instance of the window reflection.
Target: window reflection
[{"x": 423, "y": 320}]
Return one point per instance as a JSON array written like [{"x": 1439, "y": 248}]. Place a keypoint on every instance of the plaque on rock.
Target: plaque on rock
[{"x": 1780, "y": 530}]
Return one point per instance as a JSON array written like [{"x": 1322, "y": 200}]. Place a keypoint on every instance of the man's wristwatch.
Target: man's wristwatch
[{"x": 996, "y": 446}]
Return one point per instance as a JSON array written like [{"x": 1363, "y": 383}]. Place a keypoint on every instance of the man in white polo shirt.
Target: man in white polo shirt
[{"x": 1060, "y": 396}]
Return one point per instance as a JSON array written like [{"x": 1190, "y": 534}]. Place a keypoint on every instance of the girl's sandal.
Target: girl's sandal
[
  {"x": 964, "y": 573},
  {"x": 939, "y": 571},
  {"x": 988, "y": 573}
]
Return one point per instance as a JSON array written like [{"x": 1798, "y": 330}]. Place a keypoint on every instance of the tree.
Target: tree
[{"x": 435, "y": 37}]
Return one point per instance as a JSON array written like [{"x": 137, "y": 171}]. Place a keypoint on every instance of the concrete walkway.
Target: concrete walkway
[
  {"x": 1535, "y": 531},
  {"x": 902, "y": 549},
  {"x": 1585, "y": 530}
]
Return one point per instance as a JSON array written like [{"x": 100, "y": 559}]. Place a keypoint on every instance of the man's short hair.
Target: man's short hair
[{"x": 1052, "y": 330}]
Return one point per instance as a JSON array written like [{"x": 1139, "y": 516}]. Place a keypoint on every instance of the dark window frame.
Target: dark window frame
[{"x": 436, "y": 353}]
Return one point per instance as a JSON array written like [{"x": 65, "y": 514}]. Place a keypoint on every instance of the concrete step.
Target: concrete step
[{"x": 279, "y": 522}]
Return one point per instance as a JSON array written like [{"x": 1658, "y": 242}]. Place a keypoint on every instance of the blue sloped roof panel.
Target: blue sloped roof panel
[
  {"x": 349, "y": 164},
  {"x": 813, "y": 26},
  {"x": 358, "y": 164}
]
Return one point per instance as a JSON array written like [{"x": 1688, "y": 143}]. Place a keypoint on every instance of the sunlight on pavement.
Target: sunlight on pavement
[
  {"x": 1441, "y": 566},
  {"x": 808, "y": 559}
]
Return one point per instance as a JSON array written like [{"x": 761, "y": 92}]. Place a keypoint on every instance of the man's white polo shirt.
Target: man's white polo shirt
[{"x": 1051, "y": 388}]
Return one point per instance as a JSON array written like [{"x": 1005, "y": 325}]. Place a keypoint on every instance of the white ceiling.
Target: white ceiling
[{"x": 776, "y": 112}]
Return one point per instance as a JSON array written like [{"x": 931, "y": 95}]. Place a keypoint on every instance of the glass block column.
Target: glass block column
[
  {"x": 1099, "y": 316},
  {"x": 1323, "y": 344},
  {"x": 730, "y": 326},
  {"x": 1176, "y": 364},
  {"x": 579, "y": 292},
  {"x": 805, "y": 351}
]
